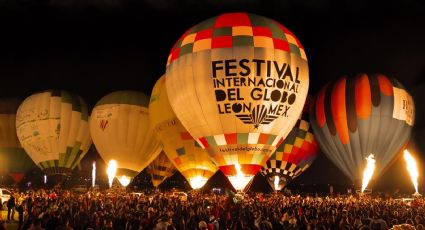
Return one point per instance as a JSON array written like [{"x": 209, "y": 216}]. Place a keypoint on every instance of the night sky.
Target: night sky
[{"x": 94, "y": 47}]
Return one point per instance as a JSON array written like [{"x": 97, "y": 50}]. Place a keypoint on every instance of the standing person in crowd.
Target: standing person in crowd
[
  {"x": 11, "y": 208},
  {"x": 20, "y": 210}
]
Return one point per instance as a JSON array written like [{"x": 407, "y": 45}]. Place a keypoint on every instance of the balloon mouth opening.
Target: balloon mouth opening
[
  {"x": 239, "y": 182},
  {"x": 278, "y": 182},
  {"x": 124, "y": 180},
  {"x": 197, "y": 182},
  {"x": 277, "y": 185}
]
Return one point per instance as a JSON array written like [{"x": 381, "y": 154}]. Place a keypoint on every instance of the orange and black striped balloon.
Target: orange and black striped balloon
[{"x": 355, "y": 117}]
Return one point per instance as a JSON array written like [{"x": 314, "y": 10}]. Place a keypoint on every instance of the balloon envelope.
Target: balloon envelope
[
  {"x": 52, "y": 127},
  {"x": 121, "y": 131},
  {"x": 14, "y": 161},
  {"x": 296, "y": 153},
  {"x": 355, "y": 117},
  {"x": 237, "y": 83},
  {"x": 189, "y": 158},
  {"x": 160, "y": 169}
]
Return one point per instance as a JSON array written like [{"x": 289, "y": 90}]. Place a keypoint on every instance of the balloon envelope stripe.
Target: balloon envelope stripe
[
  {"x": 385, "y": 85},
  {"x": 238, "y": 138},
  {"x": 339, "y": 111},
  {"x": 247, "y": 169},
  {"x": 227, "y": 31},
  {"x": 362, "y": 98}
]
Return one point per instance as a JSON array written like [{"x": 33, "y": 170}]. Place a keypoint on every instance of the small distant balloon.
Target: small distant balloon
[{"x": 294, "y": 155}]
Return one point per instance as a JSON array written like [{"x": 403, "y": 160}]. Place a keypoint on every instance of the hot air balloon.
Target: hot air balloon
[
  {"x": 160, "y": 169},
  {"x": 52, "y": 127},
  {"x": 13, "y": 159},
  {"x": 120, "y": 128},
  {"x": 238, "y": 82},
  {"x": 355, "y": 117},
  {"x": 296, "y": 153},
  {"x": 189, "y": 158}
]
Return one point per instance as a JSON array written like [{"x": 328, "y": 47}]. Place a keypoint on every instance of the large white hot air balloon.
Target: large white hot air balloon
[
  {"x": 120, "y": 128},
  {"x": 52, "y": 127},
  {"x": 238, "y": 83}
]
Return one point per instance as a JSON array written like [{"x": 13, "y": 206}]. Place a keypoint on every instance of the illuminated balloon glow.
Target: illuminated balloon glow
[
  {"x": 52, "y": 127},
  {"x": 14, "y": 161},
  {"x": 160, "y": 169},
  {"x": 368, "y": 172},
  {"x": 276, "y": 183},
  {"x": 197, "y": 182},
  {"x": 111, "y": 171},
  {"x": 240, "y": 180},
  {"x": 412, "y": 168},
  {"x": 121, "y": 130},
  {"x": 124, "y": 180},
  {"x": 295, "y": 155},
  {"x": 187, "y": 156},
  {"x": 237, "y": 83},
  {"x": 353, "y": 117}
]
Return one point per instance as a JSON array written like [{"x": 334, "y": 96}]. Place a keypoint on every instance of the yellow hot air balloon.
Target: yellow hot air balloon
[
  {"x": 120, "y": 128},
  {"x": 13, "y": 159},
  {"x": 188, "y": 157},
  {"x": 52, "y": 127},
  {"x": 160, "y": 169},
  {"x": 238, "y": 83}
]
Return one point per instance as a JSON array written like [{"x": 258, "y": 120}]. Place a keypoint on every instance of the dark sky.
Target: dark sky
[{"x": 93, "y": 47}]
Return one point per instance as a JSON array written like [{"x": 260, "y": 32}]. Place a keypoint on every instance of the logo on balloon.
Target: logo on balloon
[
  {"x": 256, "y": 91},
  {"x": 103, "y": 124}
]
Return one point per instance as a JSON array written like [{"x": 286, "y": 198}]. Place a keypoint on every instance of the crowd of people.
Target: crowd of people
[{"x": 59, "y": 209}]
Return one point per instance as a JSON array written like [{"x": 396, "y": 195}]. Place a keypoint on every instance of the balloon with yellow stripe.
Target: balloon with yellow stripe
[
  {"x": 188, "y": 157},
  {"x": 52, "y": 127},
  {"x": 160, "y": 169}
]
